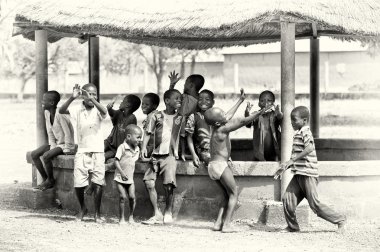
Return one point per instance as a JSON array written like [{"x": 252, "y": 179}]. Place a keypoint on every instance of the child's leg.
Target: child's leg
[
  {"x": 79, "y": 191},
  {"x": 132, "y": 202},
  {"x": 98, "y": 192},
  {"x": 292, "y": 197},
  {"x": 223, "y": 205},
  {"x": 228, "y": 181},
  {"x": 169, "y": 193},
  {"x": 150, "y": 187},
  {"x": 89, "y": 189},
  {"x": 122, "y": 197},
  {"x": 36, "y": 154},
  {"x": 309, "y": 186},
  {"x": 48, "y": 157}
]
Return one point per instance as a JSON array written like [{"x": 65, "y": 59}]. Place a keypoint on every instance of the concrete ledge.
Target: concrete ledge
[{"x": 37, "y": 199}]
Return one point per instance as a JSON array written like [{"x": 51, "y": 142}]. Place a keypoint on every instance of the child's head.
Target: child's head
[
  {"x": 173, "y": 99},
  {"x": 194, "y": 81},
  {"x": 92, "y": 92},
  {"x": 150, "y": 102},
  {"x": 130, "y": 103},
  {"x": 133, "y": 135},
  {"x": 205, "y": 100},
  {"x": 50, "y": 99},
  {"x": 266, "y": 98},
  {"x": 215, "y": 117},
  {"x": 299, "y": 117}
]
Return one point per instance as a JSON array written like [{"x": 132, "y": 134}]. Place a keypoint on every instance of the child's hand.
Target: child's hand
[
  {"x": 144, "y": 155},
  {"x": 174, "y": 78},
  {"x": 183, "y": 158},
  {"x": 124, "y": 177},
  {"x": 110, "y": 105},
  {"x": 268, "y": 109},
  {"x": 76, "y": 91},
  {"x": 242, "y": 94},
  {"x": 85, "y": 94},
  {"x": 196, "y": 161},
  {"x": 283, "y": 167},
  {"x": 277, "y": 111},
  {"x": 248, "y": 109},
  {"x": 279, "y": 173}
]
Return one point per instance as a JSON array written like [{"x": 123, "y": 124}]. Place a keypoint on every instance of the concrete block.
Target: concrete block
[
  {"x": 274, "y": 214},
  {"x": 37, "y": 199},
  {"x": 250, "y": 210}
]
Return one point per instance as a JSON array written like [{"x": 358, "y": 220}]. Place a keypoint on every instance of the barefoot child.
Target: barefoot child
[
  {"x": 198, "y": 131},
  {"x": 193, "y": 84},
  {"x": 266, "y": 129},
  {"x": 126, "y": 155},
  {"x": 90, "y": 155},
  {"x": 60, "y": 137},
  {"x": 220, "y": 150},
  {"x": 303, "y": 163},
  {"x": 160, "y": 126}
]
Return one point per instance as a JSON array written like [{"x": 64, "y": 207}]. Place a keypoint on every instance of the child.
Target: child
[
  {"x": 126, "y": 155},
  {"x": 90, "y": 155},
  {"x": 193, "y": 84},
  {"x": 149, "y": 106},
  {"x": 220, "y": 150},
  {"x": 60, "y": 137},
  {"x": 303, "y": 163},
  {"x": 197, "y": 127},
  {"x": 120, "y": 118},
  {"x": 266, "y": 129},
  {"x": 160, "y": 126}
]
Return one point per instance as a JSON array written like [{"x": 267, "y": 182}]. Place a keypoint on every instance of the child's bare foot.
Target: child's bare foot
[
  {"x": 168, "y": 218},
  {"x": 47, "y": 184},
  {"x": 131, "y": 220},
  {"x": 81, "y": 214},
  {"x": 41, "y": 185},
  {"x": 217, "y": 226},
  {"x": 342, "y": 227},
  {"x": 289, "y": 230},
  {"x": 99, "y": 219},
  {"x": 122, "y": 222},
  {"x": 229, "y": 229}
]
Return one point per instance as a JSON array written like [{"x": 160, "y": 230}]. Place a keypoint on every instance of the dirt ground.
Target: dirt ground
[{"x": 23, "y": 229}]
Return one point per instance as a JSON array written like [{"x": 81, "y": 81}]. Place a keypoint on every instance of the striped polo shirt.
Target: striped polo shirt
[
  {"x": 160, "y": 125},
  {"x": 196, "y": 125},
  {"x": 308, "y": 165}
]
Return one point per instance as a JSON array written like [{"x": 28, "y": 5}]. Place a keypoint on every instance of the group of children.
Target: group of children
[{"x": 187, "y": 118}]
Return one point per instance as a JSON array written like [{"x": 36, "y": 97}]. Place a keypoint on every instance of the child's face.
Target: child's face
[
  {"x": 175, "y": 101},
  {"x": 297, "y": 121},
  {"x": 126, "y": 105},
  {"x": 205, "y": 101},
  {"x": 47, "y": 102},
  {"x": 147, "y": 105},
  {"x": 92, "y": 93},
  {"x": 266, "y": 100},
  {"x": 134, "y": 139}
]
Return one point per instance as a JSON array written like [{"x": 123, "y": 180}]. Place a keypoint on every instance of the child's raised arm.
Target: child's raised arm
[
  {"x": 237, "y": 123},
  {"x": 100, "y": 107},
  {"x": 173, "y": 77},
  {"x": 65, "y": 106},
  {"x": 233, "y": 110}
]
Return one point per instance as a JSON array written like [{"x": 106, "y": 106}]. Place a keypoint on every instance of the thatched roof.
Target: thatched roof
[{"x": 200, "y": 24}]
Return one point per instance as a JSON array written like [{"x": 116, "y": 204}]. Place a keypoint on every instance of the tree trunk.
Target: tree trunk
[
  {"x": 182, "y": 70},
  {"x": 159, "y": 85},
  {"x": 20, "y": 94},
  {"x": 192, "y": 66}
]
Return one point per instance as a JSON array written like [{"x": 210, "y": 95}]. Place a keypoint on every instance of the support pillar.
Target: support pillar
[
  {"x": 41, "y": 88},
  {"x": 93, "y": 62},
  {"x": 314, "y": 86},
  {"x": 287, "y": 96}
]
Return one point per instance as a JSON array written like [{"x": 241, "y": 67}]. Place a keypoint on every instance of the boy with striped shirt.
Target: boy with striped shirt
[{"x": 303, "y": 163}]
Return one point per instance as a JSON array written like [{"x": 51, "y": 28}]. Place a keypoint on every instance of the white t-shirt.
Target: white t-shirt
[{"x": 88, "y": 128}]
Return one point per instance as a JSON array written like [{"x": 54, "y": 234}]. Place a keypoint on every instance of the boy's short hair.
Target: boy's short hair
[
  {"x": 267, "y": 92},
  {"x": 89, "y": 85},
  {"x": 132, "y": 128},
  {"x": 169, "y": 93},
  {"x": 197, "y": 80},
  {"x": 133, "y": 100},
  {"x": 210, "y": 93},
  {"x": 154, "y": 98},
  {"x": 56, "y": 97},
  {"x": 302, "y": 111},
  {"x": 212, "y": 115}
]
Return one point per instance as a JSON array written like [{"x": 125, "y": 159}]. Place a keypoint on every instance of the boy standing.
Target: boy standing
[
  {"x": 160, "y": 127},
  {"x": 193, "y": 84},
  {"x": 60, "y": 137},
  {"x": 149, "y": 106},
  {"x": 220, "y": 150},
  {"x": 90, "y": 155},
  {"x": 303, "y": 163},
  {"x": 126, "y": 155}
]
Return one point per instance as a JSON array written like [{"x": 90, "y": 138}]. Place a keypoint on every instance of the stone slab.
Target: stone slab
[{"x": 37, "y": 199}]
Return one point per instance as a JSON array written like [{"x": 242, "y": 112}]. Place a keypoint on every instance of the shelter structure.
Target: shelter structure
[{"x": 201, "y": 25}]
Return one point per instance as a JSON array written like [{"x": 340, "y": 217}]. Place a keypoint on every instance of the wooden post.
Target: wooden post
[
  {"x": 93, "y": 62},
  {"x": 314, "y": 86},
  {"x": 41, "y": 88},
  {"x": 287, "y": 95},
  {"x": 236, "y": 78}
]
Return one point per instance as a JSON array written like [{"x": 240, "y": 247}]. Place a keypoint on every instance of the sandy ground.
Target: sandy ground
[{"x": 24, "y": 229}]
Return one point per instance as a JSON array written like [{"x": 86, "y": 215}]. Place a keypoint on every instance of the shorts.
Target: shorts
[
  {"x": 216, "y": 169},
  {"x": 165, "y": 164},
  {"x": 89, "y": 162}
]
